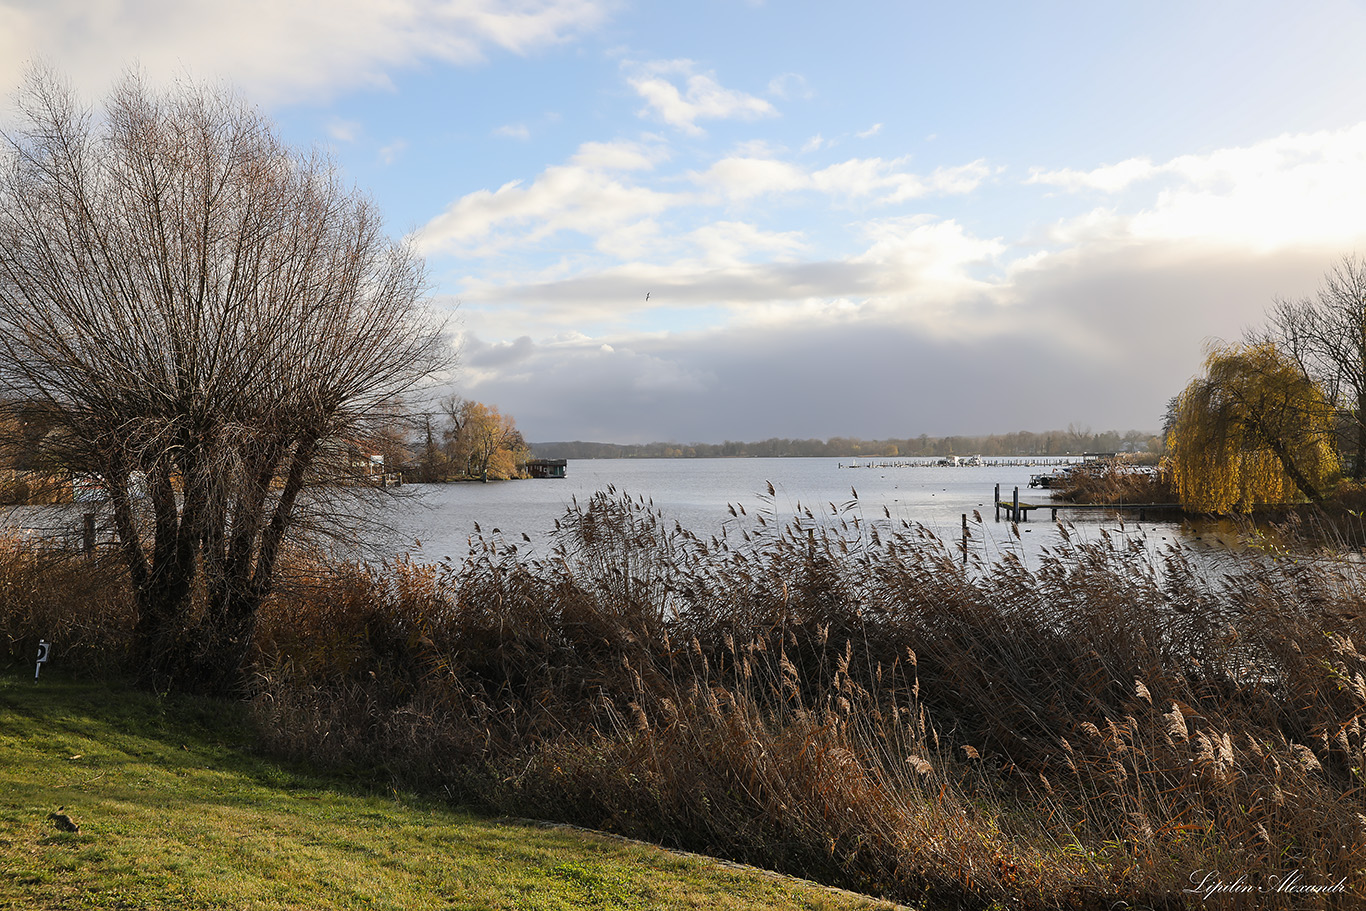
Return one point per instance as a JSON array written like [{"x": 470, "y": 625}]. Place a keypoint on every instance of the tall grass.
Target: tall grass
[
  {"x": 80, "y": 604},
  {"x": 845, "y": 700}
]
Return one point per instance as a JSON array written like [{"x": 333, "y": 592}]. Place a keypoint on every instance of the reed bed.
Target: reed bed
[
  {"x": 1112, "y": 722},
  {"x": 847, "y": 701},
  {"x": 81, "y": 604},
  {"x": 1126, "y": 480}
]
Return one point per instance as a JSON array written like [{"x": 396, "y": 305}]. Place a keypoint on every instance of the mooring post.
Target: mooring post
[
  {"x": 997, "y": 500},
  {"x": 1015, "y": 506}
]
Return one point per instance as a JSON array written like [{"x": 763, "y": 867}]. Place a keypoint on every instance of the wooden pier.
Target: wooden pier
[{"x": 1017, "y": 511}]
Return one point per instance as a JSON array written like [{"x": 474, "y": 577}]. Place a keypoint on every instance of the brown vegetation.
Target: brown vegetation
[
  {"x": 81, "y": 605},
  {"x": 851, "y": 705},
  {"x": 846, "y": 701},
  {"x": 1118, "y": 480}
]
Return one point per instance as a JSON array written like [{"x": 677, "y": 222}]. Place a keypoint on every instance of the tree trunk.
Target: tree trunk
[
  {"x": 163, "y": 596},
  {"x": 1359, "y": 464},
  {"x": 1306, "y": 486}
]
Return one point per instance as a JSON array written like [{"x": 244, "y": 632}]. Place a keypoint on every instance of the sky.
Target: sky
[{"x": 735, "y": 219}]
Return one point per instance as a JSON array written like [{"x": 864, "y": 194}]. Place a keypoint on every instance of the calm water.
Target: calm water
[
  {"x": 437, "y": 521},
  {"x": 697, "y": 494}
]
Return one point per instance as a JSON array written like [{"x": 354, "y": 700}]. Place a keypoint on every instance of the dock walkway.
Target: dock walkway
[{"x": 1017, "y": 511}]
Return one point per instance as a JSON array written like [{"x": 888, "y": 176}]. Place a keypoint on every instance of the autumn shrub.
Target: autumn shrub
[
  {"x": 842, "y": 698},
  {"x": 78, "y": 604}
]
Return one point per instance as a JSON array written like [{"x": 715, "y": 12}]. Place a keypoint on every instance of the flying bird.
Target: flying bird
[{"x": 647, "y": 295}]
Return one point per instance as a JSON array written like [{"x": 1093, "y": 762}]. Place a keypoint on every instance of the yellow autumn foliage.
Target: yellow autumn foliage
[{"x": 1254, "y": 429}]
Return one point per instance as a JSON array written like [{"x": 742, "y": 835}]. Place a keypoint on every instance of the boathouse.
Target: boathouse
[{"x": 546, "y": 468}]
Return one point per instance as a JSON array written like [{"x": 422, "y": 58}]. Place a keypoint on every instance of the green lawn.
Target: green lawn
[{"x": 174, "y": 811}]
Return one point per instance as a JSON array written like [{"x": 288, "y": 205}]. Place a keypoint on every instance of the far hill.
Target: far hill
[{"x": 1021, "y": 443}]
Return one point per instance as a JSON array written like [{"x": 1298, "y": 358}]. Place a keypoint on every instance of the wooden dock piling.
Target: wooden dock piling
[{"x": 1019, "y": 512}]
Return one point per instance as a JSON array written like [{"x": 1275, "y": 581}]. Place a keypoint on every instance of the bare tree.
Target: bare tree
[
  {"x": 215, "y": 324},
  {"x": 1326, "y": 336}
]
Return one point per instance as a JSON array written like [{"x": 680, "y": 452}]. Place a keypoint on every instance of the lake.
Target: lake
[
  {"x": 697, "y": 493},
  {"x": 434, "y": 521}
]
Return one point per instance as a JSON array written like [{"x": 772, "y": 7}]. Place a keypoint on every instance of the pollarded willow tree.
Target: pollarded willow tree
[
  {"x": 1254, "y": 429},
  {"x": 214, "y": 324}
]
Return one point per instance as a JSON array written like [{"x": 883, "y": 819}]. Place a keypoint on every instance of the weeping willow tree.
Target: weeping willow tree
[{"x": 1254, "y": 429}]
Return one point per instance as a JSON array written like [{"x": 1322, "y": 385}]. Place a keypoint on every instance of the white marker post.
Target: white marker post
[{"x": 43, "y": 649}]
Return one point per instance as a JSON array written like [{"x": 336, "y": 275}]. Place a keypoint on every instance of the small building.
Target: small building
[{"x": 546, "y": 468}]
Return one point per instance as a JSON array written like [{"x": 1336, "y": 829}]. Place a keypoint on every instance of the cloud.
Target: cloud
[
  {"x": 703, "y": 98},
  {"x": 278, "y": 52},
  {"x": 477, "y": 353},
  {"x": 929, "y": 263},
  {"x": 613, "y": 193},
  {"x": 618, "y": 156},
  {"x": 1294, "y": 190},
  {"x": 344, "y": 130},
  {"x": 391, "y": 152},
  {"x": 750, "y": 383},
  {"x": 912, "y": 270},
  {"x": 789, "y": 85},
  {"x": 740, "y": 178},
  {"x": 586, "y": 195},
  {"x": 922, "y": 322},
  {"x": 730, "y": 243},
  {"x": 870, "y": 132},
  {"x": 1098, "y": 337},
  {"x": 1108, "y": 179},
  {"x": 909, "y": 321},
  {"x": 513, "y": 131}
]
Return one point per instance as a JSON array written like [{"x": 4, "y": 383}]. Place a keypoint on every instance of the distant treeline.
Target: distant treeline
[{"x": 1053, "y": 442}]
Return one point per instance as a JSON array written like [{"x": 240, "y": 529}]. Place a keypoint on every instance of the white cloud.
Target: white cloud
[
  {"x": 929, "y": 266},
  {"x": 584, "y": 196},
  {"x": 1108, "y": 179},
  {"x": 513, "y": 131},
  {"x": 302, "y": 49},
  {"x": 1296, "y": 190},
  {"x": 391, "y": 152},
  {"x": 631, "y": 240},
  {"x": 960, "y": 179},
  {"x": 789, "y": 85},
  {"x": 870, "y": 132},
  {"x": 344, "y": 130},
  {"x": 913, "y": 270},
  {"x": 1099, "y": 319},
  {"x": 741, "y": 178},
  {"x": 745, "y": 177},
  {"x": 703, "y": 98},
  {"x": 623, "y": 155},
  {"x": 730, "y": 243}
]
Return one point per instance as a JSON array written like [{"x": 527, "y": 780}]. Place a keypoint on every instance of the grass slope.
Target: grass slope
[{"x": 174, "y": 811}]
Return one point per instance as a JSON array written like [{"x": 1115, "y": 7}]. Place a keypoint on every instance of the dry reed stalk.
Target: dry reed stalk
[{"x": 860, "y": 709}]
